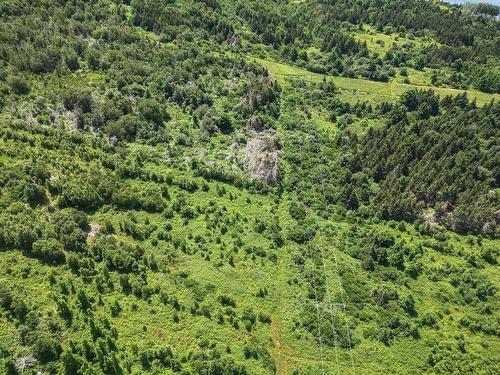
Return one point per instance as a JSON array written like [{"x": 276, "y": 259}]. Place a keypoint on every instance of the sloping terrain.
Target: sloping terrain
[
  {"x": 353, "y": 89},
  {"x": 172, "y": 204}
]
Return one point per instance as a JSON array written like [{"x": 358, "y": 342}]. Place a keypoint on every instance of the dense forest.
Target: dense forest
[{"x": 249, "y": 187}]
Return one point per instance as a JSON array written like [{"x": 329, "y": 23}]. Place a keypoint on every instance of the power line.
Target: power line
[
  {"x": 328, "y": 302},
  {"x": 341, "y": 287}
]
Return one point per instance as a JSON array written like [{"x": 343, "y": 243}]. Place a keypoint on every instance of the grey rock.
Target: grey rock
[
  {"x": 25, "y": 363},
  {"x": 256, "y": 124},
  {"x": 262, "y": 157},
  {"x": 235, "y": 41}
]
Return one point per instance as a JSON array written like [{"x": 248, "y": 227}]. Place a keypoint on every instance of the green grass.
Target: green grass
[
  {"x": 381, "y": 43},
  {"x": 299, "y": 351},
  {"x": 149, "y": 323},
  {"x": 353, "y": 90},
  {"x": 296, "y": 349}
]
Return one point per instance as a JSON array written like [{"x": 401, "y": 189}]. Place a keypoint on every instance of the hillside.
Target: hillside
[{"x": 233, "y": 187}]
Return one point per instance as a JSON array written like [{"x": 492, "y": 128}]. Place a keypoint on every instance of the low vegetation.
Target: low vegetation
[{"x": 220, "y": 187}]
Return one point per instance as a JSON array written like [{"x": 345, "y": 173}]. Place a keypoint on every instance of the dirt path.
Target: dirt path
[
  {"x": 279, "y": 356},
  {"x": 280, "y": 349},
  {"x": 281, "y": 352}
]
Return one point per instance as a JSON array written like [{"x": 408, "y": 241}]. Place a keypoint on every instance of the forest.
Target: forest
[{"x": 249, "y": 187}]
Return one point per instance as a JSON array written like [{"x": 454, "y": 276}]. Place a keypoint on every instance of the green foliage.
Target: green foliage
[
  {"x": 170, "y": 205},
  {"x": 50, "y": 250},
  {"x": 19, "y": 85},
  {"x": 420, "y": 164},
  {"x": 46, "y": 349}
]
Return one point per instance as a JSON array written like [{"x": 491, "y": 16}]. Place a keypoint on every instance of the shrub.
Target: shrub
[
  {"x": 5, "y": 298},
  {"x": 19, "y": 85},
  {"x": 429, "y": 320},
  {"x": 382, "y": 295},
  {"x": 408, "y": 304},
  {"x": 19, "y": 308},
  {"x": 78, "y": 99},
  {"x": 227, "y": 300},
  {"x": 153, "y": 112},
  {"x": 49, "y": 250},
  {"x": 46, "y": 349}
]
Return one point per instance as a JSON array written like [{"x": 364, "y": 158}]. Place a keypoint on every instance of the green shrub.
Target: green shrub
[
  {"x": 19, "y": 85},
  {"x": 49, "y": 250},
  {"x": 46, "y": 349}
]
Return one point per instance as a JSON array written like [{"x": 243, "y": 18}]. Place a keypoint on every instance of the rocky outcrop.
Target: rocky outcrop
[
  {"x": 235, "y": 41},
  {"x": 25, "y": 363},
  {"x": 256, "y": 124},
  {"x": 262, "y": 157}
]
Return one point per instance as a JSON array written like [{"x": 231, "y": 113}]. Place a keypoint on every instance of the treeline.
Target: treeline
[
  {"x": 463, "y": 38},
  {"x": 451, "y": 26},
  {"x": 465, "y": 41},
  {"x": 436, "y": 153},
  {"x": 129, "y": 83},
  {"x": 203, "y": 17},
  {"x": 433, "y": 159}
]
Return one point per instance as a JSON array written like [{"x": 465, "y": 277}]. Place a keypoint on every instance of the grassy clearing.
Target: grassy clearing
[
  {"x": 380, "y": 43},
  {"x": 353, "y": 90}
]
